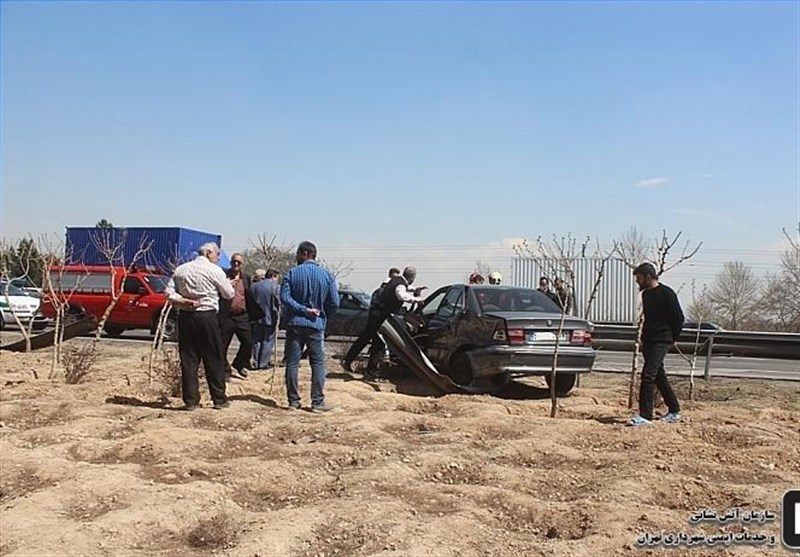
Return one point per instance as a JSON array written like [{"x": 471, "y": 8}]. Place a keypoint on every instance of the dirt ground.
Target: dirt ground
[{"x": 111, "y": 466}]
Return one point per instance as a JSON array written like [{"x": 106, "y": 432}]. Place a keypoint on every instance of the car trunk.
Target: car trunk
[{"x": 540, "y": 328}]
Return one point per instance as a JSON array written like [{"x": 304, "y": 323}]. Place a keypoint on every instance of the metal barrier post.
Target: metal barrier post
[{"x": 709, "y": 350}]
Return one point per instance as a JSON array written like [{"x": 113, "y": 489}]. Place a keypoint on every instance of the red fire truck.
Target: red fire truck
[{"x": 89, "y": 290}]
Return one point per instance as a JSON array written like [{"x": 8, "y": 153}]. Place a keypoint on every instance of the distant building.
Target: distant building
[{"x": 617, "y": 298}]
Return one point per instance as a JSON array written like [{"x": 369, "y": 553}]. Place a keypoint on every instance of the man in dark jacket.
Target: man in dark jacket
[
  {"x": 267, "y": 294},
  {"x": 663, "y": 321},
  {"x": 389, "y": 300},
  {"x": 377, "y": 348},
  {"x": 235, "y": 316},
  {"x": 562, "y": 296}
]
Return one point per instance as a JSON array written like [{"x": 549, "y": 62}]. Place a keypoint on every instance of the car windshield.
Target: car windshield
[
  {"x": 157, "y": 282},
  {"x": 495, "y": 298},
  {"x": 12, "y": 290}
]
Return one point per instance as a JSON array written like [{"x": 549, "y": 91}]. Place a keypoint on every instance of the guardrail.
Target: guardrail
[{"x": 785, "y": 346}]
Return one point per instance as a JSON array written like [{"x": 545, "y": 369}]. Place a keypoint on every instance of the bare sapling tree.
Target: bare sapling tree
[
  {"x": 556, "y": 256},
  {"x": 634, "y": 247},
  {"x": 338, "y": 269},
  {"x": 113, "y": 252},
  {"x": 59, "y": 285},
  {"x": 266, "y": 254},
  {"x": 162, "y": 329},
  {"x": 664, "y": 249},
  {"x": 600, "y": 259},
  {"x": 700, "y": 310}
]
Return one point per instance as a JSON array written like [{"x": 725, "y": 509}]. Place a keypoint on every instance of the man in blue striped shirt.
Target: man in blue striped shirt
[{"x": 309, "y": 294}]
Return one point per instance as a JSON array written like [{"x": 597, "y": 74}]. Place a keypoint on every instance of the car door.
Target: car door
[
  {"x": 442, "y": 325},
  {"x": 134, "y": 307},
  {"x": 350, "y": 319}
]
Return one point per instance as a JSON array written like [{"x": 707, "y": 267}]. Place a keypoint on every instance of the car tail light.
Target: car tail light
[
  {"x": 580, "y": 336},
  {"x": 516, "y": 336}
]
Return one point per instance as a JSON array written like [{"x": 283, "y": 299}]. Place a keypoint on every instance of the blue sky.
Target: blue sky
[{"x": 433, "y": 133}]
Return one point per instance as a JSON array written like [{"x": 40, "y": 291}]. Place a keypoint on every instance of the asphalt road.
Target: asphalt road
[
  {"x": 608, "y": 361},
  {"x": 721, "y": 366}
]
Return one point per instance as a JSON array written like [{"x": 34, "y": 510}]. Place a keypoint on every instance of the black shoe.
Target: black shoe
[
  {"x": 190, "y": 407},
  {"x": 371, "y": 375},
  {"x": 322, "y": 408},
  {"x": 221, "y": 405},
  {"x": 347, "y": 365},
  {"x": 294, "y": 406}
]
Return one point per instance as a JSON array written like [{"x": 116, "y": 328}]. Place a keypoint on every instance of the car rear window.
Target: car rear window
[{"x": 492, "y": 298}]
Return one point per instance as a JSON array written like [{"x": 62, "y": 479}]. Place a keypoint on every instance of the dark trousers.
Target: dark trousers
[
  {"x": 653, "y": 375},
  {"x": 263, "y": 343},
  {"x": 238, "y": 325},
  {"x": 199, "y": 340},
  {"x": 370, "y": 334}
]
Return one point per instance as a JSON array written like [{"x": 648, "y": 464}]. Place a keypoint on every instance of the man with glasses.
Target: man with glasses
[
  {"x": 235, "y": 316},
  {"x": 544, "y": 288},
  {"x": 195, "y": 289}
]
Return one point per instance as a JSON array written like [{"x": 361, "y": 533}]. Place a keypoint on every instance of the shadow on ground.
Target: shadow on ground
[{"x": 161, "y": 403}]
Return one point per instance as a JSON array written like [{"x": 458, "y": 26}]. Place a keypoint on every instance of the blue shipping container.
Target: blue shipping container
[{"x": 159, "y": 248}]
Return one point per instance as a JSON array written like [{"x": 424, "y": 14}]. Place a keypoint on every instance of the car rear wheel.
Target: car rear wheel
[
  {"x": 461, "y": 369},
  {"x": 74, "y": 314},
  {"x": 171, "y": 329},
  {"x": 113, "y": 331},
  {"x": 564, "y": 382}
]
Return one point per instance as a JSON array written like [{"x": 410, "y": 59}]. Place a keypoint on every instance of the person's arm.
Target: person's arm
[
  {"x": 176, "y": 299},
  {"x": 172, "y": 294},
  {"x": 332, "y": 303},
  {"x": 223, "y": 284},
  {"x": 675, "y": 315},
  {"x": 402, "y": 293},
  {"x": 295, "y": 307}
]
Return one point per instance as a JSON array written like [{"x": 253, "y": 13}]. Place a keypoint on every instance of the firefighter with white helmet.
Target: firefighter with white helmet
[{"x": 495, "y": 277}]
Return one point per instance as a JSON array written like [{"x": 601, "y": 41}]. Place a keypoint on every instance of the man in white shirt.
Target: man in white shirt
[{"x": 195, "y": 289}]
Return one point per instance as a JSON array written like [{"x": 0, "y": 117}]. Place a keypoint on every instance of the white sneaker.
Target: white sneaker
[{"x": 672, "y": 417}]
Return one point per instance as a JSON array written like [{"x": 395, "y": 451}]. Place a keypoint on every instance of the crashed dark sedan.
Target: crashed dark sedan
[{"x": 488, "y": 334}]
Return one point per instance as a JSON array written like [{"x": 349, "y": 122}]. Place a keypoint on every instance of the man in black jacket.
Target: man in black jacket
[
  {"x": 389, "y": 300},
  {"x": 663, "y": 321},
  {"x": 235, "y": 316}
]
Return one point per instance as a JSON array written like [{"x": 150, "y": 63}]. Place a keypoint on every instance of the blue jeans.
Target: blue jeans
[
  {"x": 296, "y": 338},
  {"x": 263, "y": 344}
]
